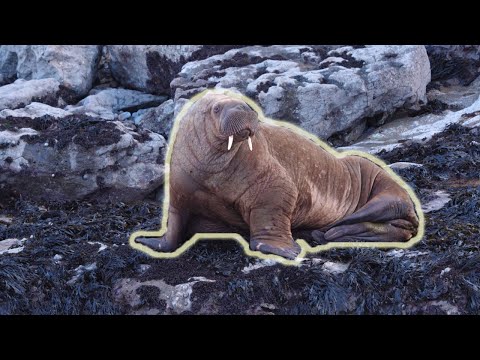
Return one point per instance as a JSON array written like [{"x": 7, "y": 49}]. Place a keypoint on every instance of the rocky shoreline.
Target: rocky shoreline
[{"x": 84, "y": 131}]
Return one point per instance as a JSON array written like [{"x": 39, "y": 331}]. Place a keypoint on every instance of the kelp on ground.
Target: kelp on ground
[{"x": 75, "y": 253}]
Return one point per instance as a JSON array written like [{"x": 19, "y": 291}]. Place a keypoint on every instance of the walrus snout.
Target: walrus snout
[
  {"x": 238, "y": 122},
  {"x": 237, "y": 118}
]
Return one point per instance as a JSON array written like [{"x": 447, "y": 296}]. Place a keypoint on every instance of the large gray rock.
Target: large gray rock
[
  {"x": 77, "y": 157},
  {"x": 151, "y": 68},
  {"x": 327, "y": 90},
  {"x": 23, "y": 92},
  {"x": 108, "y": 102},
  {"x": 74, "y": 66},
  {"x": 454, "y": 64}
]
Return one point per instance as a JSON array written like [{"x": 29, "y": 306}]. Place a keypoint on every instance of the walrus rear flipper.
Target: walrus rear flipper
[
  {"x": 384, "y": 218},
  {"x": 393, "y": 231}
]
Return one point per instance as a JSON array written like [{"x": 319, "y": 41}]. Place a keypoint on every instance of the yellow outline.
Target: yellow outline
[{"x": 305, "y": 247}]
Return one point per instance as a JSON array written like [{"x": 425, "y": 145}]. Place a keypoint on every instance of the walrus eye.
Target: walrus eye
[{"x": 216, "y": 109}]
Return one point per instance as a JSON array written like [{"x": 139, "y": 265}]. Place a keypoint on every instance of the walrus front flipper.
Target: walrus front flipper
[
  {"x": 270, "y": 225},
  {"x": 172, "y": 239},
  {"x": 156, "y": 243}
]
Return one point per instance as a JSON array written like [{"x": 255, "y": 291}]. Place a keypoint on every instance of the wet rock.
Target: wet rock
[
  {"x": 159, "y": 119},
  {"x": 329, "y": 91},
  {"x": 73, "y": 66},
  {"x": 421, "y": 128},
  {"x": 23, "y": 92},
  {"x": 35, "y": 110},
  {"x": 107, "y": 103},
  {"x": 151, "y": 68},
  {"x": 454, "y": 64},
  {"x": 76, "y": 157},
  {"x": 455, "y": 97}
]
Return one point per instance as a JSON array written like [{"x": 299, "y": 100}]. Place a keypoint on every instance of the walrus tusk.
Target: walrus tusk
[
  {"x": 250, "y": 143},
  {"x": 230, "y": 142}
]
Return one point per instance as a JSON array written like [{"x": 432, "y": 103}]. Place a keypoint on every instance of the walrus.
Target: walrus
[{"x": 230, "y": 172}]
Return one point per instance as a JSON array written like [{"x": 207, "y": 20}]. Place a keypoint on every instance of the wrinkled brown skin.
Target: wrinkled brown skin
[{"x": 286, "y": 183}]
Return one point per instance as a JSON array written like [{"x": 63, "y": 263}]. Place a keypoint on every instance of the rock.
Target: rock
[
  {"x": 454, "y": 64},
  {"x": 445, "y": 306},
  {"x": 398, "y": 253},
  {"x": 401, "y": 165},
  {"x": 5, "y": 220},
  {"x": 11, "y": 246},
  {"x": 23, "y": 92},
  {"x": 445, "y": 271},
  {"x": 102, "y": 245},
  {"x": 76, "y": 157},
  {"x": 334, "y": 268},
  {"x": 57, "y": 258},
  {"x": 159, "y": 119},
  {"x": 456, "y": 97},
  {"x": 73, "y": 66},
  {"x": 124, "y": 116},
  {"x": 80, "y": 270},
  {"x": 441, "y": 198},
  {"x": 258, "y": 265},
  {"x": 105, "y": 103},
  {"x": 177, "y": 297},
  {"x": 328, "y": 91},
  {"x": 35, "y": 110},
  {"x": 151, "y": 68},
  {"x": 420, "y": 128}
]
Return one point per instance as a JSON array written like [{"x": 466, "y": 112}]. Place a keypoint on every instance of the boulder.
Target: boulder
[
  {"x": 35, "y": 110},
  {"x": 151, "y": 68},
  {"x": 328, "y": 90},
  {"x": 159, "y": 119},
  {"x": 23, "y": 92},
  {"x": 78, "y": 157},
  {"x": 74, "y": 66},
  {"x": 454, "y": 64},
  {"x": 107, "y": 102}
]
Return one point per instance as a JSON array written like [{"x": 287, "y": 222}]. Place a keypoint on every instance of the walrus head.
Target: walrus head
[{"x": 235, "y": 120}]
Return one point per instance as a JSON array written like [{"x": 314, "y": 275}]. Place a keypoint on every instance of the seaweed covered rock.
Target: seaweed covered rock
[
  {"x": 74, "y": 66},
  {"x": 77, "y": 157},
  {"x": 454, "y": 64},
  {"x": 107, "y": 103},
  {"x": 150, "y": 68},
  {"x": 328, "y": 90},
  {"x": 416, "y": 129}
]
